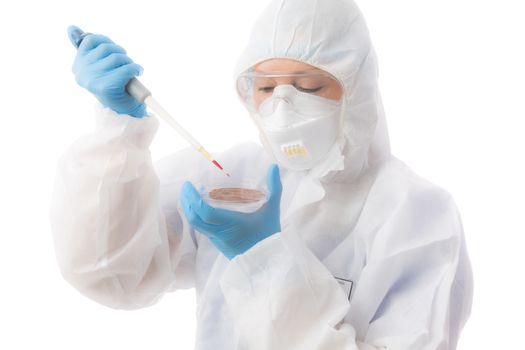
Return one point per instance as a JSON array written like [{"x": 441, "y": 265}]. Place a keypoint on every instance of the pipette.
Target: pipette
[{"x": 137, "y": 90}]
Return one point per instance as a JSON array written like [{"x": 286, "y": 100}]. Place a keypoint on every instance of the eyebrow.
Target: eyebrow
[{"x": 309, "y": 71}]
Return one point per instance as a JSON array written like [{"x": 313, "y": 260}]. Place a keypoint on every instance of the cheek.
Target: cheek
[
  {"x": 332, "y": 92},
  {"x": 335, "y": 93},
  {"x": 259, "y": 97}
]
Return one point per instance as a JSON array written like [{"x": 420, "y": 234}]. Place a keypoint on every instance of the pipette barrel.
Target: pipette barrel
[
  {"x": 161, "y": 112},
  {"x": 138, "y": 91}
]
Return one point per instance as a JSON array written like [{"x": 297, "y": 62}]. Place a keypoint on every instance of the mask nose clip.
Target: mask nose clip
[
  {"x": 285, "y": 92},
  {"x": 283, "y": 97}
]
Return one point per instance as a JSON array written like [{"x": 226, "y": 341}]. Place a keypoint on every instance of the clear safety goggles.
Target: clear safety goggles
[{"x": 255, "y": 87}]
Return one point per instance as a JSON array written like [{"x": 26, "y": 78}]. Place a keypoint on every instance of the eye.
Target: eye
[
  {"x": 309, "y": 90},
  {"x": 266, "y": 89}
]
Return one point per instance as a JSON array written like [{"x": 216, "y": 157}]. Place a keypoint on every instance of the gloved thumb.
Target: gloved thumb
[
  {"x": 76, "y": 35},
  {"x": 274, "y": 185}
]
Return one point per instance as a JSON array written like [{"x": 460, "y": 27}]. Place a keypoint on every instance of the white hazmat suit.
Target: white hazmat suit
[{"x": 370, "y": 255}]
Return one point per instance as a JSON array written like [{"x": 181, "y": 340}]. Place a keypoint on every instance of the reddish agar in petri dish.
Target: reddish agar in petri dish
[{"x": 236, "y": 194}]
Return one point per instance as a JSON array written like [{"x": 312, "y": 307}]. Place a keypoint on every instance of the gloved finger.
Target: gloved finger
[
  {"x": 101, "y": 51},
  {"x": 194, "y": 219},
  {"x": 206, "y": 212},
  {"x": 112, "y": 61},
  {"x": 120, "y": 76},
  {"x": 274, "y": 185},
  {"x": 112, "y": 82},
  {"x": 92, "y": 41}
]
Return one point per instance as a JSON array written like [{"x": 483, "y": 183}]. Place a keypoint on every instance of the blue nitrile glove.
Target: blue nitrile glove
[
  {"x": 232, "y": 232},
  {"x": 104, "y": 69}
]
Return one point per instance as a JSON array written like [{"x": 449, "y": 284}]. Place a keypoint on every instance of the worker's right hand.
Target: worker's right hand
[{"x": 104, "y": 69}]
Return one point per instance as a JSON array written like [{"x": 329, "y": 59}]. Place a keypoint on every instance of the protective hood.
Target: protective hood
[{"x": 330, "y": 35}]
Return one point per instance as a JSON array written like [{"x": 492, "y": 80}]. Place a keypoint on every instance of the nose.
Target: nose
[
  {"x": 285, "y": 92},
  {"x": 281, "y": 103},
  {"x": 283, "y": 98}
]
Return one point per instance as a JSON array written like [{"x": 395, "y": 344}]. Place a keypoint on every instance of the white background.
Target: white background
[{"x": 452, "y": 77}]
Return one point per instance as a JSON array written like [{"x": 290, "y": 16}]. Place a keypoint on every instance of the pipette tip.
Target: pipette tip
[
  {"x": 225, "y": 173},
  {"x": 216, "y": 163}
]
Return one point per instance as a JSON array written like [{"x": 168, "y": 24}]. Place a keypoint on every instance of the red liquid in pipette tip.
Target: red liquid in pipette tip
[{"x": 220, "y": 167}]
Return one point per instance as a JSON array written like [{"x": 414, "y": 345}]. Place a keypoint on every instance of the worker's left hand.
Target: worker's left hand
[{"x": 232, "y": 232}]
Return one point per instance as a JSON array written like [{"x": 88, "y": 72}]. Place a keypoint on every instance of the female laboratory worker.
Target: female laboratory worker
[{"x": 352, "y": 249}]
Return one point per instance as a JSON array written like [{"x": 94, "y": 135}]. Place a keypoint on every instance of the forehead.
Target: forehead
[{"x": 283, "y": 65}]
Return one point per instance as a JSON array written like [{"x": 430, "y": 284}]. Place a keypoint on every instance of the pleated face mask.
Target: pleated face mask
[{"x": 298, "y": 114}]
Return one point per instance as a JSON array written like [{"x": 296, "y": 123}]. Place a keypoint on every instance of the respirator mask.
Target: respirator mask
[{"x": 299, "y": 115}]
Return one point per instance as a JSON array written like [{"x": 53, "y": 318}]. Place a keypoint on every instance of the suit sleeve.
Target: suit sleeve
[{"x": 116, "y": 241}]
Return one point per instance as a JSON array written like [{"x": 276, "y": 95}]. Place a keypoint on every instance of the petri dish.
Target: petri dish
[{"x": 242, "y": 196}]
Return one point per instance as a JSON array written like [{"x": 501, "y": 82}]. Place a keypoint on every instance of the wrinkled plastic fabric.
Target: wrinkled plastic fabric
[{"x": 370, "y": 256}]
